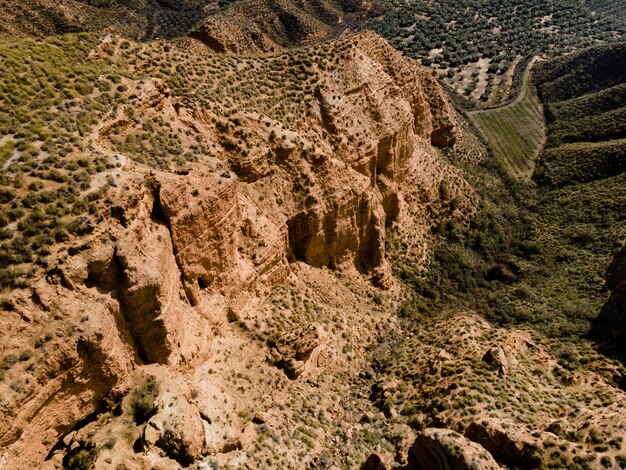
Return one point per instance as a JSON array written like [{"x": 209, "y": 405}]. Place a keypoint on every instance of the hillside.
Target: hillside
[
  {"x": 586, "y": 151},
  {"x": 238, "y": 26},
  {"x": 135, "y": 18},
  {"x": 202, "y": 200},
  {"x": 586, "y": 111},
  {"x": 266, "y": 26},
  {"x": 545, "y": 260}
]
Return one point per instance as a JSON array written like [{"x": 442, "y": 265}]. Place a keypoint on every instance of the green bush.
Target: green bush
[
  {"x": 81, "y": 458},
  {"x": 144, "y": 406}
]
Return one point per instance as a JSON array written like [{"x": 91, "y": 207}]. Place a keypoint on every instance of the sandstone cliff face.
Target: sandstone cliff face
[
  {"x": 324, "y": 235},
  {"x": 182, "y": 259},
  {"x": 116, "y": 304},
  {"x": 204, "y": 216}
]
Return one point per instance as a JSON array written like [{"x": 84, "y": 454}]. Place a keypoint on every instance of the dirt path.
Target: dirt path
[{"x": 117, "y": 158}]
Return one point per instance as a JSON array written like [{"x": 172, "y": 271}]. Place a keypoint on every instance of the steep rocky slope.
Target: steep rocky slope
[{"x": 155, "y": 332}]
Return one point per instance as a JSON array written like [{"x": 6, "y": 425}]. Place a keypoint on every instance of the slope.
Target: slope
[
  {"x": 135, "y": 18},
  {"x": 263, "y": 26},
  {"x": 586, "y": 111},
  {"x": 221, "y": 262}
]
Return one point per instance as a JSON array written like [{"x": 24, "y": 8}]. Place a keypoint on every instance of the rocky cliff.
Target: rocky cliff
[
  {"x": 132, "y": 324},
  {"x": 200, "y": 272}
]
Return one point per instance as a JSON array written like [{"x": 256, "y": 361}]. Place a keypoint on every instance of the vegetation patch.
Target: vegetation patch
[
  {"x": 55, "y": 94},
  {"x": 454, "y": 37},
  {"x": 144, "y": 405}
]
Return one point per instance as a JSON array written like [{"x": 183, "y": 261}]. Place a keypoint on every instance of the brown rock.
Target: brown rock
[
  {"x": 293, "y": 350},
  {"x": 176, "y": 429},
  {"x": 444, "y": 449},
  {"x": 374, "y": 462},
  {"x": 496, "y": 358},
  {"x": 327, "y": 234},
  {"x": 204, "y": 216},
  {"x": 509, "y": 442}
]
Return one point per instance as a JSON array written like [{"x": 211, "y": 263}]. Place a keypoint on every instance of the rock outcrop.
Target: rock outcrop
[
  {"x": 204, "y": 216},
  {"x": 374, "y": 462},
  {"x": 508, "y": 442},
  {"x": 444, "y": 449},
  {"x": 324, "y": 235},
  {"x": 292, "y": 351},
  {"x": 496, "y": 359},
  {"x": 171, "y": 269}
]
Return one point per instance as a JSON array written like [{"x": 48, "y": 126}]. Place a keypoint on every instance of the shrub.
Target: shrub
[
  {"x": 9, "y": 360},
  {"x": 25, "y": 355},
  {"x": 144, "y": 406},
  {"x": 81, "y": 458}
]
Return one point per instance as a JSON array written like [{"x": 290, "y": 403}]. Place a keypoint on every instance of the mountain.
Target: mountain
[{"x": 212, "y": 187}]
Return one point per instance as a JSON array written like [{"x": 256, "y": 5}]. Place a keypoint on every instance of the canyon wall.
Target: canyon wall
[{"x": 179, "y": 255}]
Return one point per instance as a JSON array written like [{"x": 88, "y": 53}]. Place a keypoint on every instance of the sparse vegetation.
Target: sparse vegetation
[
  {"x": 45, "y": 177},
  {"x": 526, "y": 254}
]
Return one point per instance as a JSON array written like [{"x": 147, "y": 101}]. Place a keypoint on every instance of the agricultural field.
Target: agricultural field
[
  {"x": 473, "y": 44},
  {"x": 516, "y": 131}
]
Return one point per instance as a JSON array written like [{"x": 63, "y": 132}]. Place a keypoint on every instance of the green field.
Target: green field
[{"x": 515, "y": 132}]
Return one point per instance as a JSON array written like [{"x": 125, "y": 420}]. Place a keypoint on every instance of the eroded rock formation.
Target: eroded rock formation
[
  {"x": 179, "y": 254},
  {"x": 444, "y": 449}
]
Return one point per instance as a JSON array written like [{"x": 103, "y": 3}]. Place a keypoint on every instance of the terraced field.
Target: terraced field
[{"x": 516, "y": 132}]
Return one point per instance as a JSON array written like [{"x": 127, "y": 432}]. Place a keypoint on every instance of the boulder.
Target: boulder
[
  {"x": 444, "y": 449},
  {"x": 509, "y": 442},
  {"x": 496, "y": 359},
  {"x": 293, "y": 350},
  {"x": 374, "y": 462}
]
